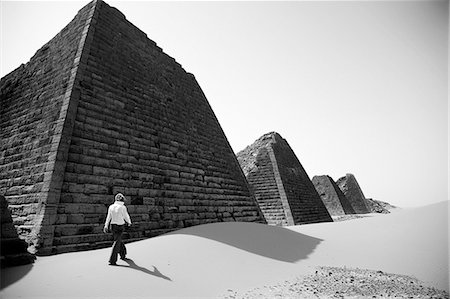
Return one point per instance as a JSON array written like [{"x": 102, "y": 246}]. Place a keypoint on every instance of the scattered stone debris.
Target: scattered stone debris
[
  {"x": 334, "y": 282},
  {"x": 350, "y": 217},
  {"x": 376, "y": 206},
  {"x": 385, "y": 205}
]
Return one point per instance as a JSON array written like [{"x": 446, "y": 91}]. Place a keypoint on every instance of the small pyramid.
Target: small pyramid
[
  {"x": 101, "y": 109},
  {"x": 333, "y": 198},
  {"x": 350, "y": 187},
  {"x": 281, "y": 186}
]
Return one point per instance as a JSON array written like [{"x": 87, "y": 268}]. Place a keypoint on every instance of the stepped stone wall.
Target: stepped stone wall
[
  {"x": 281, "y": 186},
  {"x": 350, "y": 187},
  {"x": 266, "y": 189},
  {"x": 107, "y": 111},
  {"x": 333, "y": 198}
]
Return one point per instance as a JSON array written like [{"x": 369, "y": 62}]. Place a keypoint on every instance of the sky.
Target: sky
[{"x": 354, "y": 87}]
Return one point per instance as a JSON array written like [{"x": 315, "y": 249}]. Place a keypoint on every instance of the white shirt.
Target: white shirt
[{"x": 117, "y": 214}]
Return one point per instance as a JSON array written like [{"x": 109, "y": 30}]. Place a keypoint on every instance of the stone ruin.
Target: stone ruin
[
  {"x": 377, "y": 206},
  {"x": 350, "y": 187},
  {"x": 100, "y": 109},
  {"x": 13, "y": 250},
  {"x": 333, "y": 198},
  {"x": 281, "y": 186}
]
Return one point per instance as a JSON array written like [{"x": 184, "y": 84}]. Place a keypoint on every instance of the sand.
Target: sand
[{"x": 232, "y": 259}]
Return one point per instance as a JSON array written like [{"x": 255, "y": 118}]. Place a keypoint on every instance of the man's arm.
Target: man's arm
[
  {"x": 108, "y": 220},
  {"x": 126, "y": 216}
]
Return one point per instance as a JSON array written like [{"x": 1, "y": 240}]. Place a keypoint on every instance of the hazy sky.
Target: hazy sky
[{"x": 354, "y": 87}]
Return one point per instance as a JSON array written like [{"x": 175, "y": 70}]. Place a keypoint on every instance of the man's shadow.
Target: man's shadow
[{"x": 155, "y": 272}]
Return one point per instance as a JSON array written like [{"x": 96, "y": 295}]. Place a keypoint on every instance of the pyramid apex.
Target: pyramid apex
[
  {"x": 269, "y": 138},
  {"x": 272, "y": 134}
]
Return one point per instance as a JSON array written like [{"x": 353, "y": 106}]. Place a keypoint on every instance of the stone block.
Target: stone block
[{"x": 75, "y": 218}]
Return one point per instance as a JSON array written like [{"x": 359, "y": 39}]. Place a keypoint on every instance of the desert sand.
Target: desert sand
[{"x": 239, "y": 260}]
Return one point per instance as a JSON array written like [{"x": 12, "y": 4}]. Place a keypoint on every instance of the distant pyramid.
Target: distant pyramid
[
  {"x": 333, "y": 198},
  {"x": 100, "y": 109},
  {"x": 350, "y": 187},
  {"x": 281, "y": 186}
]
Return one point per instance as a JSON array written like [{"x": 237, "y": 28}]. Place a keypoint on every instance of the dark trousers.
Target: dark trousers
[{"x": 118, "y": 246}]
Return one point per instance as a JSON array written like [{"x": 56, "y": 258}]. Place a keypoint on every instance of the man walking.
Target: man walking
[{"x": 117, "y": 219}]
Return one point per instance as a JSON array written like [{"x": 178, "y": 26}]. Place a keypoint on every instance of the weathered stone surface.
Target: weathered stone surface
[
  {"x": 13, "y": 250},
  {"x": 385, "y": 205},
  {"x": 281, "y": 186},
  {"x": 350, "y": 187},
  {"x": 376, "y": 206},
  {"x": 100, "y": 109},
  {"x": 333, "y": 198}
]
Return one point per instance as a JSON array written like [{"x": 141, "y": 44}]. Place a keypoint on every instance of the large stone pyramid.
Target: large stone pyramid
[
  {"x": 333, "y": 198},
  {"x": 350, "y": 187},
  {"x": 100, "y": 109},
  {"x": 281, "y": 186}
]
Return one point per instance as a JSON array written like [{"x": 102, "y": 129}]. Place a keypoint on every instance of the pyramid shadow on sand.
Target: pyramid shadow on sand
[
  {"x": 11, "y": 275},
  {"x": 269, "y": 241}
]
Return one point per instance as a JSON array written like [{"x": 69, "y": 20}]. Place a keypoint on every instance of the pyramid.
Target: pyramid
[
  {"x": 350, "y": 187},
  {"x": 100, "y": 109},
  {"x": 281, "y": 186},
  {"x": 333, "y": 198}
]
